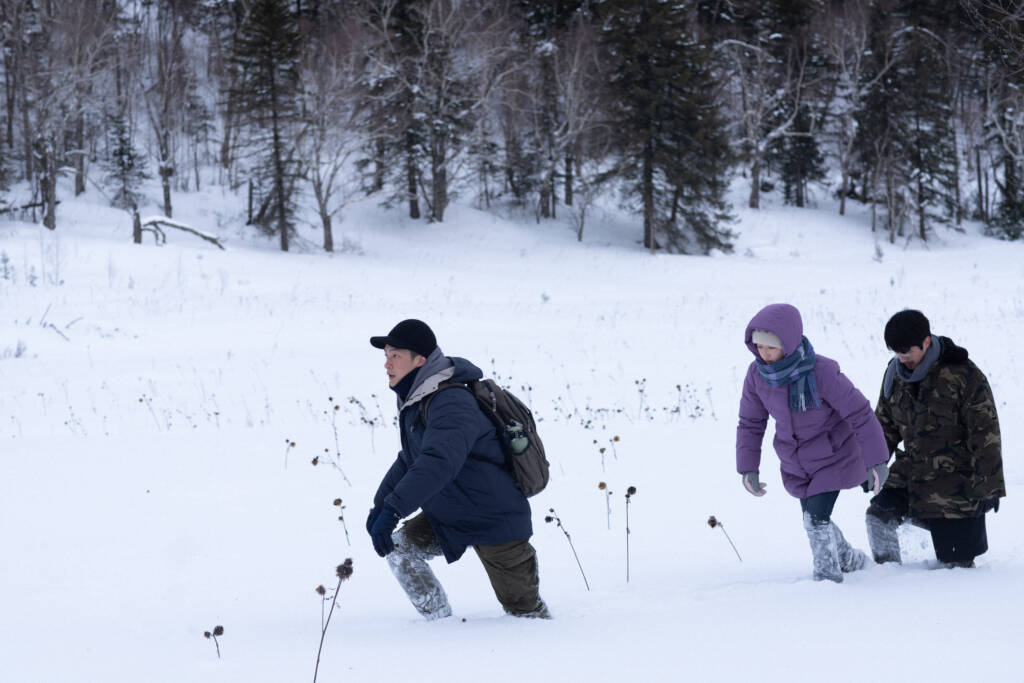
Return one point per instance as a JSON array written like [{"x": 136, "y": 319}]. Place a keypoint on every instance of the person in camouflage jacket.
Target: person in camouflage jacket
[{"x": 950, "y": 471}]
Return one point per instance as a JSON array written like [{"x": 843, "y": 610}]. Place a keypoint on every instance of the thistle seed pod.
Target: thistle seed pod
[{"x": 344, "y": 570}]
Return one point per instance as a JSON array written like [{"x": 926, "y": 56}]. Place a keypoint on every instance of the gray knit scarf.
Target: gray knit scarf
[{"x": 896, "y": 368}]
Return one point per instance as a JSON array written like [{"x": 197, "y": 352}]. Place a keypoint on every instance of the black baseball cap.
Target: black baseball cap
[{"x": 414, "y": 335}]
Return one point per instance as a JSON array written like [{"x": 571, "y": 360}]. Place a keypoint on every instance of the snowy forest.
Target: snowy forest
[{"x": 302, "y": 106}]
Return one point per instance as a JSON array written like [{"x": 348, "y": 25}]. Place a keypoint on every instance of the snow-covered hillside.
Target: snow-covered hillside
[{"x": 150, "y": 396}]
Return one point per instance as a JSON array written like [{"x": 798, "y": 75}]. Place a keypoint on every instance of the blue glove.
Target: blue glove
[
  {"x": 374, "y": 514},
  {"x": 752, "y": 484},
  {"x": 382, "y": 528}
]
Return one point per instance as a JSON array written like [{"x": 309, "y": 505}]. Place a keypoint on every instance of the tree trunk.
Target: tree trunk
[
  {"x": 439, "y": 174},
  {"x": 440, "y": 182},
  {"x": 225, "y": 146},
  {"x": 80, "y": 151},
  {"x": 553, "y": 192},
  {"x": 136, "y": 228},
  {"x": 844, "y": 190},
  {"x": 325, "y": 218},
  {"x": 165, "y": 180},
  {"x": 410, "y": 176},
  {"x": 981, "y": 196},
  {"x": 921, "y": 212},
  {"x": 568, "y": 179},
  {"x": 195, "y": 162},
  {"x": 545, "y": 197},
  {"x": 282, "y": 215},
  {"x": 50, "y": 169},
  {"x": 647, "y": 192},
  {"x": 166, "y": 170},
  {"x": 988, "y": 203},
  {"x": 9, "y": 94},
  {"x": 890, "y": 207},
  {"x": 26, "y": 124},
  {"x": 755, "y": 185},
  {"x": 956, "y": 179}
]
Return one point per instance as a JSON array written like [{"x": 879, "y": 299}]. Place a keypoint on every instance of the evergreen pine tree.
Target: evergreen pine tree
[
  {"x": 905, "y": 137},
  {"x": 547, "y": 24},
  {"x": 266, "y": 53},
  {"x": 796, "y": 153},
  {"x": 395, "y": 128},
  {"x": 125, "y": 164},
  {"x": 881, "y": 158},
  {"x": 929, "y": 137},
  {"x": 673, "y": 151},
  {"x": 1008, "y": 221},
  {"x": 799, "y": 159}
]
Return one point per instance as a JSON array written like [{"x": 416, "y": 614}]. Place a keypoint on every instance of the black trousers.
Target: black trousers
[
  {"x": 955, "y": 540},
  {"x": 820, "y": 506}
]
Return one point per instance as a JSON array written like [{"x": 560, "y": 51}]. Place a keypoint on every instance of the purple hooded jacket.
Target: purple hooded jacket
[{"x": 822, "y": 449}]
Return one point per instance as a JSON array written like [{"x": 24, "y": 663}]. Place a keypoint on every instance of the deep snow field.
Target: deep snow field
[{"x": 149, "y": 396}]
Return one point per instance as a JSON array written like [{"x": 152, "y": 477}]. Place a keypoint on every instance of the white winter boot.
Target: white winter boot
[
  {"x": 408, "y": 563},
  {"x": 824, "y": 549},
  {"x": 883, "y": 539},
  {"x": 850, "y": 559}
]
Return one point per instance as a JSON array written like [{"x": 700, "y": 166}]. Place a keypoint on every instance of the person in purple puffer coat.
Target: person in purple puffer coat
[{"x": 826, "y": 435}]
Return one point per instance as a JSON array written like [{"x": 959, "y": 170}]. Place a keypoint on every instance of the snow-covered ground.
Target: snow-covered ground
[{"x": 150, "y": 492}]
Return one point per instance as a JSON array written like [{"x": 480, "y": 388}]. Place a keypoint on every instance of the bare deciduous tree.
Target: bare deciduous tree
[{"x": 332, "y": 105}]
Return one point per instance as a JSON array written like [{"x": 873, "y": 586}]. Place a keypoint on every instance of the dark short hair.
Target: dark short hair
[{"x": 906, "y": 329}]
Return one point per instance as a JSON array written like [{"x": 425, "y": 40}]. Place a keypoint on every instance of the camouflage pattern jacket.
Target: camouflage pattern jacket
[{"x": 952, "y": 453}]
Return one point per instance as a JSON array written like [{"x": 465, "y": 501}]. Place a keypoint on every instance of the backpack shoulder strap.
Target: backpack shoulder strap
[{"x": 425, "y": 401}]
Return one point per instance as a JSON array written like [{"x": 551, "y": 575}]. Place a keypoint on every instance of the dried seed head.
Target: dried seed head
[
  {"x": 712, "y": 522},
  {"x": 316, "y": 460},
  {"x": 344, "y": 569},
  {"x": 615, "y": 438},
  {"x": 601, "y": 485},
  {"x": 631, "y": 491},
  {"x": 291, "y": 445},
  {"x": 337, "y": 501},
  {"x": 320, "y": 590},
  {"x": 218, "y": 630},
  {"x": 549, "y": 519},
  {"x": 206, "y": 634}
]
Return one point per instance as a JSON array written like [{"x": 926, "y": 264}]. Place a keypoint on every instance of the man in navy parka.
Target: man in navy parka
[{"x": 453, "y": 469}]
